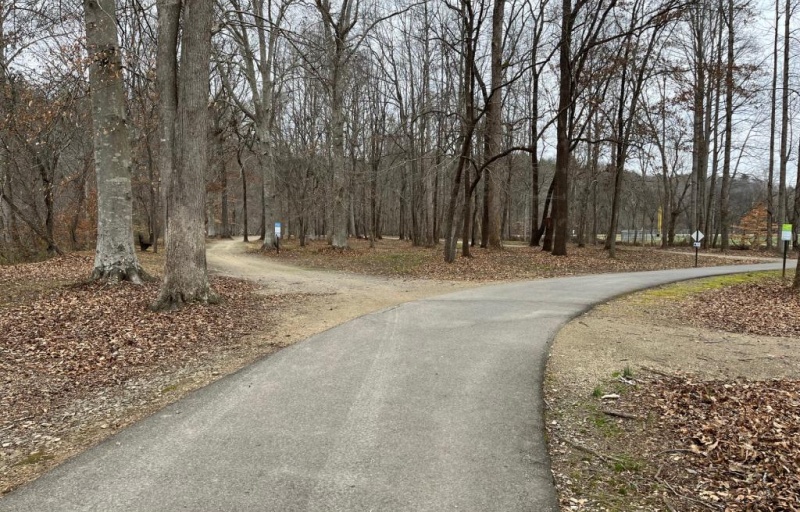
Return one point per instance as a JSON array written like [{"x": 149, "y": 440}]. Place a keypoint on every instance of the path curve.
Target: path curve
[{"x": 432, "y": 405}]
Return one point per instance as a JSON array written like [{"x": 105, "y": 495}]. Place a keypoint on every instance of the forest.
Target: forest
[{"x": 584, "y": 121}]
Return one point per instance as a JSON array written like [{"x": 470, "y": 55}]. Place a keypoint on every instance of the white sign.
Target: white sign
[
  {"x": 697, "y": 244},
  {"x": 278, "y": 229},
  {"x": 786, "y": 233},
  {"x": 697, "y": 235}
]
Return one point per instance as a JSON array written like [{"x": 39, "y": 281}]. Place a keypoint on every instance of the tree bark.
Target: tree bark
[
  {"x": 773, "y": 101},
  {"x": 561, "y": 178},
  {"x": 115, "y": 256},
  {"x": 169, "y": 12},
  {"x": 185, "y": 274},
  {"x": 724, "y": 199},
  {"x": 784, "y": 156},
  {"x": 494, "y": 133}
]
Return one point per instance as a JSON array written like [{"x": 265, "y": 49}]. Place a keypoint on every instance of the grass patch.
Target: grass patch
[
  {"x": 396, "y": 263},
  {"x": 605, "y": 425},
  {"x": 35, "y": 458},
  {"x": 169, "y": 389},
  {"x": 625, "y": 463},
  {"x": 684, "y": 289},
  {"x": 627, "y": 372}
]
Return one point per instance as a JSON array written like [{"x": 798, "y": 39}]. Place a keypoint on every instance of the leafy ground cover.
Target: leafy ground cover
[
  {"x": 398, "y": 258},
  {"x": 647, "y": 439},
  {"x": 75, "y": 355}
]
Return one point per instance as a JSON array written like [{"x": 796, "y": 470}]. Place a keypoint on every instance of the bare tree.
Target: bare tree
[
  {"x": 185, "y": 274},
  {"x": 115, "y": 256}
]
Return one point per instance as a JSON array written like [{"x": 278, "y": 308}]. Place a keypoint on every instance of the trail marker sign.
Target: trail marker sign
[
  {"x": 278, "y": 229},
  {"x": 786, "y": 232},
  {"x": 697, "y": 235}
]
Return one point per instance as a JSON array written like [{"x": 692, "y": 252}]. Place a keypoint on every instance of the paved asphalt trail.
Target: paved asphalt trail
[{"x": 432, "y": 405}]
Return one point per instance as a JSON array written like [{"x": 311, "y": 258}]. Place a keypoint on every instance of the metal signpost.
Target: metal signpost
[
  {"x": 278, "y": 236},
  {"x": 786, "y": 236},
  {"x": 697, "y": 236}
]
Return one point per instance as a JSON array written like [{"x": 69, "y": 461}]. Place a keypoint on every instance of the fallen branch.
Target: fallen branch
[{"x": 620, "y": 414}]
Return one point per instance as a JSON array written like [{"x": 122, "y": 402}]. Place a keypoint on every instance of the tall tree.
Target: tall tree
[
  {"x": 494, "y": 132},
  {"x": 773, "y": 101},
  {"x": 565, "y": 98},
  {"x": 185, "y": 274},
  {"x": 115, "y": 256},
  {"x": 338, "y": 27},
  {"x": 785, "y": 143},
  {"x": 169, "y": 12},
  {"x": 724, "y": 213}
]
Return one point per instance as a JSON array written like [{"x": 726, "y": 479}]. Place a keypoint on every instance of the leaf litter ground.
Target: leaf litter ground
[
  {"x": 76, "y": 356},
  {"x": 679, "y": 440}
]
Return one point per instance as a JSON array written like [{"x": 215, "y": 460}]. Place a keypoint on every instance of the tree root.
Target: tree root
[
  {"x": 116, "y": 273},
  {"x": 171, "y": 300}
]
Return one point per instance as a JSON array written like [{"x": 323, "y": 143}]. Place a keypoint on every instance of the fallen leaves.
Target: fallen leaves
[
  {"x": 83, "y": 352},
  {"x": 515, "y": 262},
  {"x": 739, "y": 441},
  {"x": 769, "y": 307},
  {"x": 726, "y": 445}
]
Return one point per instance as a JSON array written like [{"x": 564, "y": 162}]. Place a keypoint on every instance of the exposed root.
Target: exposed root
[
  {"x": 170, "y": 300},
  {"x": 116, "y": 273}
]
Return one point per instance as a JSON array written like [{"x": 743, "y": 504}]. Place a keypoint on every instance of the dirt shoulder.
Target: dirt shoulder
[{"x": 635, "y": 393}]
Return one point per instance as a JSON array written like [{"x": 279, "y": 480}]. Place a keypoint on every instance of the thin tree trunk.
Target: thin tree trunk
[
  {"x": 245, "y": 228},
  {"x": 784, "y": 156},
  {"x": 169, "y": 12},
  {"x": 466, "y": 230},
  {"x": 773, "y": 101},
  {"x": 724, "y": 200}
]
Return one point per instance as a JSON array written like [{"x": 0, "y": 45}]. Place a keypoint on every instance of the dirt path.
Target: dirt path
[{"x": 332, "y": 297}]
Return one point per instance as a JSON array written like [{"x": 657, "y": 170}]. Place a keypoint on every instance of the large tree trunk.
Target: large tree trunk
[
  {"x": 494, "y": 133},
  {"x": 185, "y": 275},
  {"x": 619, "y": 165},
  {"x": 561, "y": 178},
  {"x": 466, "y": 227},
  {"x": 115, "y": 256},
  {"x": 46, "y": 173},
  {"x": 7, "y": 233},
  {"x": 698, "y": 126}
]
